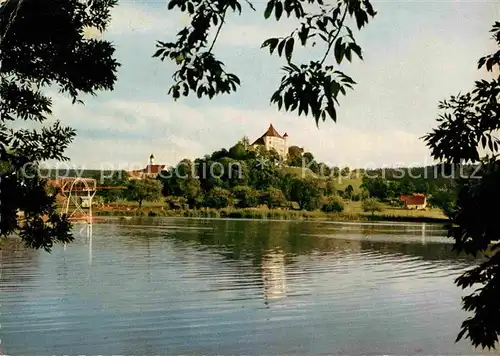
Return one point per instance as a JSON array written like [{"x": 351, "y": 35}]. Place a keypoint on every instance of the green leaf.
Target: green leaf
[
  {"x": 172, "y": 4},
  {"x": 271, "y": 42},
  {"x": 158, "y": 52},
  {"x": 281, "y": 46},
  {"x": 357, "y": 49},
  {"x": 200, "y": 92},
  {"x": 303, "y": 35},
  {"x": 339, "y": 50},
  {"x": 330, "y": 109},
  {"x": 347, "y": 53},
  {"x": 289, "y": 49},
  {"x": 269, "y": 9},
  {"x": 278, "y": 10}
]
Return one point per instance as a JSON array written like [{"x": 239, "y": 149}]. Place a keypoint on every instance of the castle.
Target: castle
[{"x": 271, "y": 139}]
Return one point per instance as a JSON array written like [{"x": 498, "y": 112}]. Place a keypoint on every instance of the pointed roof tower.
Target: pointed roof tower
[{"x": 271, "y": 132}]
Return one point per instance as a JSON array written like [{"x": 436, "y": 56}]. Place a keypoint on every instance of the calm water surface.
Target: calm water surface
[{"x": 183, "y": 286}]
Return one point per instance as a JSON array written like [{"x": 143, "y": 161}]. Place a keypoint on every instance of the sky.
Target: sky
[{"x": 416, "y": 53}]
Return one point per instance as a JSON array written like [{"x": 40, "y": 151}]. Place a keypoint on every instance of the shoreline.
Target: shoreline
[{"x": 271, "y": 214}]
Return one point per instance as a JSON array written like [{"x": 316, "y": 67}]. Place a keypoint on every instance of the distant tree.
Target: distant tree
[
  {"x": 377, "y": 187},
  {"x": 247, "y": 197},
  {"x": 231, "y": 172},
  {"x": 245, "y": 142},
  {"x": 349, "y": 190},
  {"x": 219, "y": 154},
  {"x": 191, "y": 191},
  {"x": 468, "y": 125},
  {"x": 311, "y": 88},
  {"x": 393, "y": 190},
  {"x": 218, "y": 198},
  {"x": 332, "y": 204},
  {"x": 308, "y": 157},
  {"x": 262, "y": 175},
  {"x": 175, "y": 203},
  {"x": 406, "y": 187},
  {"x": 117, "y": 179},
  {"x": 445, "y": 199},
  {"x": 307, "y": 193},
  {"x": 364, "y": 193},
  {"x": 273, "y": 198},
  {"x": 181, "y": 180},
  {"x": 43, "y": 47},
  {"x": 356, "y": 197},
  {"x": 324, "y": 170},
  {"x": 295, "y": 156},
  {"x": 329, "y": 187},
  {"x": 284, "y": 183},
  {"x": 345, "y": 172},
  {"x": 144, "y": 189},
  {"x": 238, "y": 151},
  {"x": 371, "y": 205}
]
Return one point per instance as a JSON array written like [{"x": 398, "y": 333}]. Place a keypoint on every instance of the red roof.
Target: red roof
[
  {"x": 150, "y": 169},
  {"x": 153, "y": 168},
  {"x": 271, "y": 132},
  {"x": 415, "y": 199}
]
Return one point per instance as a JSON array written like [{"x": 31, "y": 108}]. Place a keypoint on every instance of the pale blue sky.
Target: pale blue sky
[{"x": 416, "y": 53}]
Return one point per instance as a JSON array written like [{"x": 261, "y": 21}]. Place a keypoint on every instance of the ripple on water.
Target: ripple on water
[{"x": 178, "y": 286}]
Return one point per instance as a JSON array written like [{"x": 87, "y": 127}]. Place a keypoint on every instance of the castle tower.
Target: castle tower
[{"x": 151, "y": 159}]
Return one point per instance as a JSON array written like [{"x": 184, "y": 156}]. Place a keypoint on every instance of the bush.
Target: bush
[
  {"x": 371, "y": 205},
  {"x": 247, "y": 197},
  {"x": 217, "y": 198},
  {"x": 176, "y": 203},
  {"x": 273, "y": 198},
  {"x": 332, "y": 204}
]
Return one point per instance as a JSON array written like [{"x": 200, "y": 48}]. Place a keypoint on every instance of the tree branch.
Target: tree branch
[
  {"x": 330, "y": 44},
  {"x": 218, "y": 29},
  {"x": 250, "y": 4}
]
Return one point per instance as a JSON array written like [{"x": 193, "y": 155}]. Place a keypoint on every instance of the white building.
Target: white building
[
  {"x": 151, "y": 171},
  {"x": 271, "y": 139}
]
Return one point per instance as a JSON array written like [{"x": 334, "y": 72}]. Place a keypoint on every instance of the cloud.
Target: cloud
[
  {"x": 158, "y": 20},
  {"x": 126, "y": 19},
  {"x": 415, "y": 55},
  {"x": 126, "y": 132}
]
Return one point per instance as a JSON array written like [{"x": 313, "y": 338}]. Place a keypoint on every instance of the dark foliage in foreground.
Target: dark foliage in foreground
[
  {"x": 469, "y": 124},
  {"x": 43, "y": 46}
]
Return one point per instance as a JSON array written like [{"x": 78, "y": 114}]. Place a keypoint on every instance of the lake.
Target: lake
[{"x": 154, "y": 286}]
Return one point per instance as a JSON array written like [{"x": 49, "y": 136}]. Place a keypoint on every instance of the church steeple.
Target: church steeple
[{"x": 151, "y": 159}]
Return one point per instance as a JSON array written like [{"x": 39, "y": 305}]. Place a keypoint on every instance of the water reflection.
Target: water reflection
[
  {"x": 18, "y": 265},
  {"x": 253, "y": 239},
  {"x": 273, "y": 275},
  {"x": 187, "y": 286},
  {"x": 271, "y": 246}
]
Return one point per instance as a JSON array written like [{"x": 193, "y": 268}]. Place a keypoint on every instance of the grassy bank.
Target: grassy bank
[{"x": 274, "y": 214}]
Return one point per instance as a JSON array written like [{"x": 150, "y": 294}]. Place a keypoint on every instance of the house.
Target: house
[
  {"x": 271, "y": 139},
  {"x": 414, "y": 201},
  {"x": 150, "y": 171}
]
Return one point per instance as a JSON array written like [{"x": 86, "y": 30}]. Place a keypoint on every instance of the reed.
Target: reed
[{"x": 263, "y": 214}]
